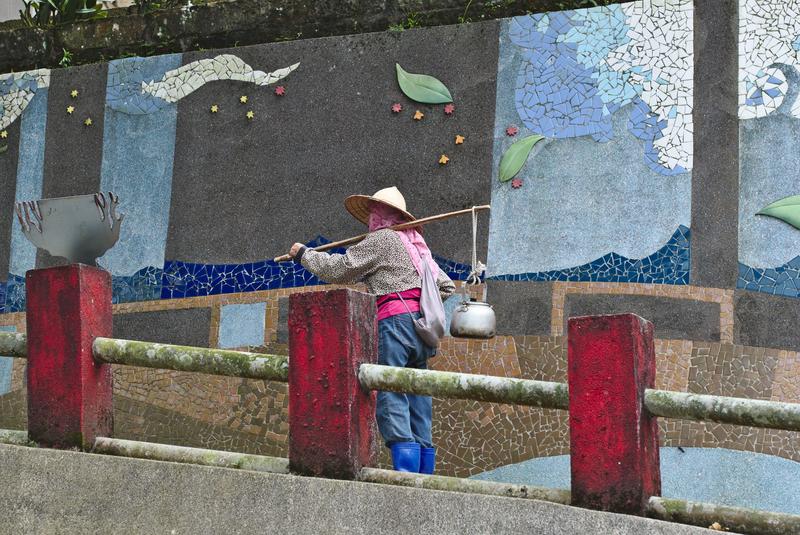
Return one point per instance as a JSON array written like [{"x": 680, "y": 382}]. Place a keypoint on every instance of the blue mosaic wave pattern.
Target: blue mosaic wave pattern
[
  {"x": 783, "y": 280},
  {"x": 668, "y": 265},
  {"x": 183, "y": 279}
]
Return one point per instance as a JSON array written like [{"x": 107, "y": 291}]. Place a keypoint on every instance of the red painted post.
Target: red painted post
[
  {"x": 69, "y": 395},
  {"x": 332, "y": 428},
  {"x": 613, "y": 439}
]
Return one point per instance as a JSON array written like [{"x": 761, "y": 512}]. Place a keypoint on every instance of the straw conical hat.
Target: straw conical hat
[{"x": 358, "y": 205}]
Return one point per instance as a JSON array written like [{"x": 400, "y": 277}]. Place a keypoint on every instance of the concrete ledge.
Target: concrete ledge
[{"x": 50, "y": 491}]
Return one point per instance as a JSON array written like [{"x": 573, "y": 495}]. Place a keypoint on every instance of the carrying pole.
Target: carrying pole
[{"x": 401, "y": 226}]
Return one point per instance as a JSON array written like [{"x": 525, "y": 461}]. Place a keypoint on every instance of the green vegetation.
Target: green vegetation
[{"x": 44, "y": 13}]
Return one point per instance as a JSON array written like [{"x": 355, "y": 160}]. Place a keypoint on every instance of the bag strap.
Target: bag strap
[{"x": 404, "y": 302}]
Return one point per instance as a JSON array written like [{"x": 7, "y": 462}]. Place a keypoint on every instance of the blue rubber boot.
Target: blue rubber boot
[
  {"x": 427, "y": 460},
  {"x": 405, "y": 456}
]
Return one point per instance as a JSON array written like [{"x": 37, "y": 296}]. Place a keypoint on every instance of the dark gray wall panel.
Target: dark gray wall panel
[
  {"x": 188, "y": 327},
  {"x": 8, "y": 185},
  {"x": 672, "y": 318},
  {"x": 333, "y": 134},
  {"x": 766, "y": 320},
  {"x": 715, "y": 176},
  {"x": 521, "y": 307},
  {"x": 74, "y": 152}
]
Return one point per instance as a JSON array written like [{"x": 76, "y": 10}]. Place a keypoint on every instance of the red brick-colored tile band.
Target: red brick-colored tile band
[
  {"x": 69, "y": 395},
  {"x": 613, "y": 440},
  {"x": 332, "y": 430}
]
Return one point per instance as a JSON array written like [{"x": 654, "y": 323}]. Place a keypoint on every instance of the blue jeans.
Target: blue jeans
[{"x": 403, "y": 417}]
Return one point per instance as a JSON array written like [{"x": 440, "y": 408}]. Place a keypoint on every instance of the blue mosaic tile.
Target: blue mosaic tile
[
  {"x": 668, "y": 265},
  {"x": 579, "y": 67},
  {"x": 184, "y": 279},
  {"x": 783, "y": 280},
  {"x": 15, "y": 294},
  {"x": 144, "y": 285}
]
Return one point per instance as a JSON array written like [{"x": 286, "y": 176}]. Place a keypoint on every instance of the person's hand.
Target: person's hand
[{"x": 295, "y": 249}]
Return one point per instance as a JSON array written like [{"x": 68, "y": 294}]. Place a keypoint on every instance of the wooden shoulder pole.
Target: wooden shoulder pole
[{"x": 401, "y": 226}]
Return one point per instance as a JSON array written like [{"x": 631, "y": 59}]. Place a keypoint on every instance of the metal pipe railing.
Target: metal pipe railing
[
  {"x": 14, "y": 345},
  {"x": 465, "y": 386},
  {"x": 192, "y": 359}
]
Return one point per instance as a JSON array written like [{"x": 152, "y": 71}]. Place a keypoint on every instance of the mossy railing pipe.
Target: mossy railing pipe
[
  {"x": 549, "y": 395},
  {"x": 191, "y": 359},
  {"x": 181, "y": 454},
  {"x": 737, "y": 411},
  {"x": 733, "y": 519},
  {"x": 14, "y": 345},
  {"x": 465, "y": 386}
]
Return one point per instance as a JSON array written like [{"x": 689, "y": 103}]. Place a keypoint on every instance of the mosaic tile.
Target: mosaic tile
[
  {"x": 183, "y": 279},
  {"x": 732, "y": 370},
  {"x": 2, "y": 297},
  {"x": 143, "y": 285},
  {"x": 581, "y": 66},
  {"x": 769, "y": 41},
  {"x": 782, "y": 280},
  {"x": 668, "y": 265},
  {"x": 181, "y": 82},
  {"x": 17, "y": 91},
  {"x": 15, "y": 294}
]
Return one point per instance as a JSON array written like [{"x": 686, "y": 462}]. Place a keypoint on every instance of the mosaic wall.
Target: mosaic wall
[
  {"x": 580, "y": 127},
  {"x": 769, "y": 113}
]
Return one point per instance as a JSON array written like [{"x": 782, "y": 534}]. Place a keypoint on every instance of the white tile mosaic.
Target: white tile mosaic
[
  {"x": 769, "y": 42},
  {"x": 17, "y": 91},
  {"x": 184, "y": 80}
]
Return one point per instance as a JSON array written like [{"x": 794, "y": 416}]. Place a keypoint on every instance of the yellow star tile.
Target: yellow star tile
[
  {"x": 214, "y": 108},
  {"x": 250, "y": 114},
  {"x": 459, "y": 139},
  {"x": 74, "y": 93},
  {"x": 70, "y": 109},
  {"x": 88, "y": 121},
  {"x": 418, "y": 115},
  {"x": 4, "y": 134},
  {"x": 243, "y": 99},
  {"x": 444, "y": 159}
]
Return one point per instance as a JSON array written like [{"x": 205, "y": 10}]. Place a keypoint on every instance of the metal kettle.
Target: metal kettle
[{"x": 473, "y": 319}]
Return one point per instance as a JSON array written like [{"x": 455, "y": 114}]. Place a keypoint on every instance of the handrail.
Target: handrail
[
  {"x": 465, "y": 386},
  {"x": 728, "y": 410},
  {"x": 665, "y": 403},
  {"x": 192, "y": 359},
  {"x": 182, "y": 454},
  {"x": 14, "y": 345},
  {"x": 735, "y": 519}
]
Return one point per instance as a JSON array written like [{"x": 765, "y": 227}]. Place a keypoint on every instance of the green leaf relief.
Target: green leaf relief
[
  {"x": 422, "y": 88},
  {"x": 516, "y": 155},
  {"x": 786, "y": 209}
]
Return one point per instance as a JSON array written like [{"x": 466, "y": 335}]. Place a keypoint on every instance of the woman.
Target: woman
[{"x": 390, "y": 263}]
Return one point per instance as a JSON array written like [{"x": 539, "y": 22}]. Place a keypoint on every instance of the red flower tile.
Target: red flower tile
[
  {"x": 449, "y": 109},
  {"x": 516, "y": 183},
  {"x": 512, "y": 130},
  {"x": 397, "y": 107}
]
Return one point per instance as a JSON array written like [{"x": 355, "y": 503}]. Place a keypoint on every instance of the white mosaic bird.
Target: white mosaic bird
[{"x": 184, "y": 80}]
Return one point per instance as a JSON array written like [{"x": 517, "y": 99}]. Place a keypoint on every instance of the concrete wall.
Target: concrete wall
[
  {"x": 632, "y": 202},
  {"x": 9, "y": 10},
  {"x": 46, "y": 491}
]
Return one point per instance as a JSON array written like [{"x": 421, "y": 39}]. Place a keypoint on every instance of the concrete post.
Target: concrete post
[
  {"x": 69, "y": 395},
  {"x": 332, "y": 430},
  {"x": 613, "y": 439}
]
